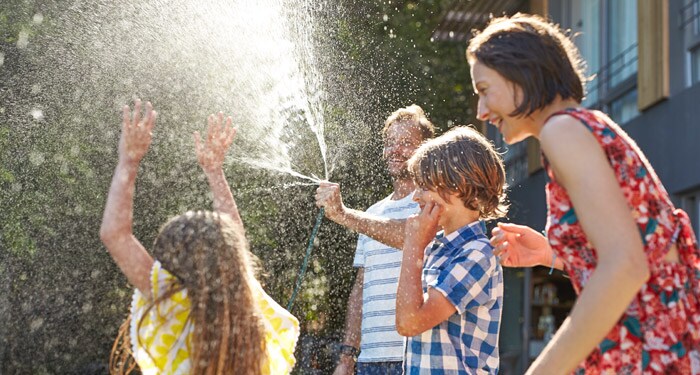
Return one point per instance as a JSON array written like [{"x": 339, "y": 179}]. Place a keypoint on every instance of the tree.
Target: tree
[{"x": 68, "y": 66}]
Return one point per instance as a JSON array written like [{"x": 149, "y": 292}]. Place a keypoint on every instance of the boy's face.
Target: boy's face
[
  {"x": 401, "y": 141},
  {"x": 450, "y": 206}
]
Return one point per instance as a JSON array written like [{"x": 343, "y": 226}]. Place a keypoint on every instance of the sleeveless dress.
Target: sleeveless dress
[
  {"x": 659, "y": 333},
  {"x": 161, "y": 344}
]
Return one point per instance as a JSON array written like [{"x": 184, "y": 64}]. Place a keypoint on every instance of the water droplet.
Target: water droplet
[
  {"x": 385, "y": 18},
  {"x": 36, "y": 158},
  {"x": 37, "y": 114},
  {"x": 22, "y": 39},
  {"x": 36, "y": 324},
  {"x": 38, "y": 18}
]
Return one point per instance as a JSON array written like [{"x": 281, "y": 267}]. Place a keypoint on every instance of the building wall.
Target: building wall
[{"x": 669, "y": 135}]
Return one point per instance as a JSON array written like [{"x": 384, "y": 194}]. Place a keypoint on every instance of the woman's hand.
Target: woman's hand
[
  {"x": 136, "y": 133},
  {"x": 520, "y": 246},
  {"x": 211, "y": 152}
]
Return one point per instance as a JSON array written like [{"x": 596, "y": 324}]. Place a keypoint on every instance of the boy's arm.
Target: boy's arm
[
  {"x": 414, "y": 315},
  {"x": 387, "y": 231},
  {"x": 210, "y": 155},
  {"x": 116, "y": 230}
]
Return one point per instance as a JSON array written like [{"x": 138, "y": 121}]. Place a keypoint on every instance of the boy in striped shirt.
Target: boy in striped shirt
[{"x": 450, "y": 292}]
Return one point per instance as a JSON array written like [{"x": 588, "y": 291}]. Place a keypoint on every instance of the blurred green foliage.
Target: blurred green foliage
[{"x": 61, "y": 297}]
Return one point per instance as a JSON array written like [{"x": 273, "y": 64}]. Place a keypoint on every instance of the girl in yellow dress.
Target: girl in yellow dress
[{"x": 197, "y": 307}]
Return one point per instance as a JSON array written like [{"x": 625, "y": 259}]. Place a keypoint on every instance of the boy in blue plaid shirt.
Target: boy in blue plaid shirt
[{"x": 450, "y": 292}]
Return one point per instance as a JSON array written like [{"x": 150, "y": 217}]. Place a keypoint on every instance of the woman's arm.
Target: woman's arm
[
  {"x": 583, "y": 169},
  {"x": 413, "y": 314},
  {"x": 210, "y": 155},
  {"x": 521, "y": 246},
  {"x": 116, "y": 230}
]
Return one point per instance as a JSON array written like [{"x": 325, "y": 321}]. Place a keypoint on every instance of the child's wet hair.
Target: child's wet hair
[
  {"x": 193, "y": 242},
  {"x": 208, "y": 253},
  {"x": 463, "y": 162},
  {"x": 535, "y": 55}
]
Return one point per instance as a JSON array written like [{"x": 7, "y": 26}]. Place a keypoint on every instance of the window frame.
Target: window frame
[
  {"x": 690, "y": 203},
  {"x": 606, "y": 94},
  {"x": 690, "y": 29}
]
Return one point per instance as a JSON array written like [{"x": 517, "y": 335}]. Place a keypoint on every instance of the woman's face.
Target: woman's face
[{"x": 498, "y": 98}]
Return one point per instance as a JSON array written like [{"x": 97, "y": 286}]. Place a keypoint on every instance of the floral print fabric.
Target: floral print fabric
[{"x": 659, "y": 333}]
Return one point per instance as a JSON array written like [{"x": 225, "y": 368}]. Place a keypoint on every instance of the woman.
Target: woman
[{"x": 611, "y": 226}]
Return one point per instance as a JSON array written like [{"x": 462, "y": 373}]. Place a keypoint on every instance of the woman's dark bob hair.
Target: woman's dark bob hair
[{"x": 535, "y": 55}]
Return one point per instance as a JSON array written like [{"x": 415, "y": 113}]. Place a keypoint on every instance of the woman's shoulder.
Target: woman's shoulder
[
  {"x": 596, "y": 122},
  {"x": 566, "y": 126}
]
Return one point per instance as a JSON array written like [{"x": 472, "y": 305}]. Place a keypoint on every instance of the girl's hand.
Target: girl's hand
[
  {"x": 211, "y": 153},
  {"x": 136, "y": 132},
  {"x": 421, "y": 228},
  {"x": 520, "y": 246}
]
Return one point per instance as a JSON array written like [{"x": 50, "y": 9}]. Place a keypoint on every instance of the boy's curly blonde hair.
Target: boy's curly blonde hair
[{"x": 463, "y": 162}]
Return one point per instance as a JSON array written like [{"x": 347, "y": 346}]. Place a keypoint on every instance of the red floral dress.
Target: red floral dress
[{"x": 659, "y": 333}]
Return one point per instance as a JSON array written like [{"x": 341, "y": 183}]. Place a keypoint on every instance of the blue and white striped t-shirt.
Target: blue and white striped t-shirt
[{"x": 382, "y": 264}]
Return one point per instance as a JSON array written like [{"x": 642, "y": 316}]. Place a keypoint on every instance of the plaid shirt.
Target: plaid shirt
[{"x": 463, "y": 268}]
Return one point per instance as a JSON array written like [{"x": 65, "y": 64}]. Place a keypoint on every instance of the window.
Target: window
[
  {"x": 624, "y": 108},
  {"x": 690, "y": 24},
  {"x": 606, "y": 35},
  {"x": 695, "y": 65},
  {"x": 584, "y": 24}
]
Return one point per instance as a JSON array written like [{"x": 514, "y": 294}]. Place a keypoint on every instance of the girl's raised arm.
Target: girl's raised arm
[
  {"x": 116, "y": 230},
  {"x": 210, "y": 155}
]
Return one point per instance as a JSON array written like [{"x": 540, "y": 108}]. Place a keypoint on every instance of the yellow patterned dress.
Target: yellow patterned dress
[{"x": 167, "y": 334}]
